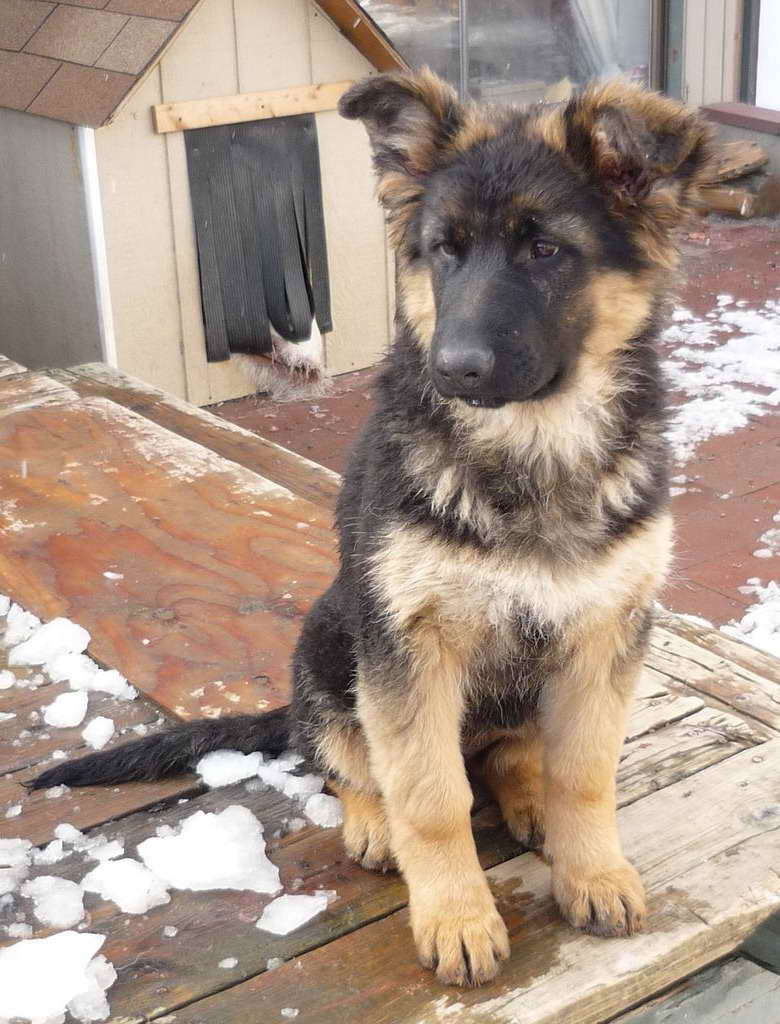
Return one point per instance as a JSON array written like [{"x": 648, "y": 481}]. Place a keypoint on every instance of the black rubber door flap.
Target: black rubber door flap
[{"x": 260, "y": 231}]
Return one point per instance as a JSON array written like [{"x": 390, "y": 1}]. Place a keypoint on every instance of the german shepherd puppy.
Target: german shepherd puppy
[{"x": 504, "y": 521}]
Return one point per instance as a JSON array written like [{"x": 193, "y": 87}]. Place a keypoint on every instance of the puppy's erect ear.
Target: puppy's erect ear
[
  {"x": 409, "y": 119},
  {"x": 646, "y": 153}
]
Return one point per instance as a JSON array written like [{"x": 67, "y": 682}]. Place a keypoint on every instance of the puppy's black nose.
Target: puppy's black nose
[{"x": 464, "y": 368}]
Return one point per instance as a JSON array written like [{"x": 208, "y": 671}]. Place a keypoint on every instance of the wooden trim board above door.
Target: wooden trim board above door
[{"x": 248, "y": 106}]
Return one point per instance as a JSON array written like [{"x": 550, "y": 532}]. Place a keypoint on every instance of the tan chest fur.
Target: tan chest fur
[{"x": 464, "y": 588}]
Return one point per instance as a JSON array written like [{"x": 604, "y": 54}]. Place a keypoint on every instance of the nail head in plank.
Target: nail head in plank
[{"x": 248, "y": 106}]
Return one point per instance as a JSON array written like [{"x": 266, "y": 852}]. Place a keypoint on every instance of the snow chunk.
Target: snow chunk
[
  {"x": 286, "y": 913},
  {"x": 127, "y": 883},
  {"x": 50, "y": 854},
  {"x": 214, "y": 851},
  {"x": 5, "y": 604},
  {"x": 14, "y": 811},
  {"x": 19, "y": 626},
  {"x": 289, "y": 1012},
  {"x": 69, "y": 834},
  {"x": 223, "y": 767},
  {"x": 19, "y": 930},
  {"x": 101, "y": 849},
  {"x": 228, "y": 963},
  {"x": 58, "y": 902},
  {"x": 324, "y": 810},
  {"x": 98, "y": 732},
  {"x": 66, "y": 711},
  {"x": 60, "y": 636},
  {"x": 14, "y": 863},
  {"x": 7, "y": 679},
  {"x": 81, "y": 673},
  {"x": 760, "y": 625},
  {"x": 113, "y": 575},
  {"x": 6, "y": 716},
  {"x": 303, "y": 787},
  {"x": 75, "y": 979},
  {"x": 170, "y": 931}
]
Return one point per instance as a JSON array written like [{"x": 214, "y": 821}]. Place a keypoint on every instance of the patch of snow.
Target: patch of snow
[
  {"x": 67, "y": 711},
  {"x": 59, "y": 636},
  {"x": 763, "y": 553},
  {"x": 14, "y": 811},
  {"x": 74, "y": 979},
  {"x": 19, "y": 930},
  {"x": 15, "y": 856},
  {"x": 274, "y": 963},
  {"x": 726, "y": 381},
  {"x": 81, "y": 673},
  {"x": 129, "y": 884},
  {"x": 58, "y": 902},
  {"x": 170, "y": 931},
  {"x": 55, "y": 792},
  {"x": 98, "y": 732},
  {"x": 287, "y": 913},
  {"x": 113, "y": 575},
  {"x": 6, "y": 716},
  {"x": 19, "y": 626},
  {"x": 52, "y": 853},
  {"x": 7, "y": 679},
  {"x": 5, "y": 604},
  {"x": 228, "y": 963},
  {"x": 101, "y": 849},
  {"x": 223, "y": 767},
  {"x": 289, "y": 1012},
  {"x": 760, "y": 625},
  {"x": 69, "y": 834},
  {"x": 214, "y": 851},
  {"x": 323, "y": 810}
]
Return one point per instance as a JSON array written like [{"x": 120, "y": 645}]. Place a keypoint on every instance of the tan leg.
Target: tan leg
[
  {"x": 583, "y": 725},
  {"x": 414, "y": 742},
  {"x": 366, "y": 833},
  {"x": 512, "y": 771}
]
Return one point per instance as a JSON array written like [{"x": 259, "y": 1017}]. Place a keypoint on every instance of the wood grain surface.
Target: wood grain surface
[{"x": 216, "y": 565}]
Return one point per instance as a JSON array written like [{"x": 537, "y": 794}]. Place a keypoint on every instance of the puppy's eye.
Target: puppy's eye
[
  {"x": 446, "y": 249},
  {"x": 541, "y": 250}
]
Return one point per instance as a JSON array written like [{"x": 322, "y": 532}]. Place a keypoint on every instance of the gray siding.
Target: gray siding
[{"x": 48, "y": 311}]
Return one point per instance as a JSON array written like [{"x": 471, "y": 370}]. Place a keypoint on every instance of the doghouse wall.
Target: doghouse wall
[
  {"x": 228, "y": 47},
  {"x": 48, "y": 310}
]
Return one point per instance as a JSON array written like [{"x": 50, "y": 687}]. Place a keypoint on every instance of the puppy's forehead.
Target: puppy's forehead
[{"x": 508, "y": 183}]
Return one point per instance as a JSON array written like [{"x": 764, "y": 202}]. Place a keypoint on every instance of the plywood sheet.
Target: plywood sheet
[{"x": 216, "y": 565}]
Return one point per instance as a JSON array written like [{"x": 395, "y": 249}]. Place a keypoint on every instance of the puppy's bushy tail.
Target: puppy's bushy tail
[{"x": 172, "y": 752}]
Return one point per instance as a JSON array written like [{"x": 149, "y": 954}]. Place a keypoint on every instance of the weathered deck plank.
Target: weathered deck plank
[
  {"x": 711, "y": 875},
  {"x": 9, "y": 368},
  {"x": 746, "y": 680},
  {"x": 216, "y": 566},
  {"x": 216, "y": 925},
  {"x": 303, "y": 477},
  {"x": 734, "y": 992}
]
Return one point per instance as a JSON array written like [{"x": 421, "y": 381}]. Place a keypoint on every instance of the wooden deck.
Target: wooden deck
[{"x": 222, "y": 541}]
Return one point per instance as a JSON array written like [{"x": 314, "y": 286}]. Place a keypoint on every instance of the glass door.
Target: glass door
[{"x": 522, "y": 51}]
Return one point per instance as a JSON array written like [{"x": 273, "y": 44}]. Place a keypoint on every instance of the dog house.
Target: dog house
[{"x": 108, "y": 249}]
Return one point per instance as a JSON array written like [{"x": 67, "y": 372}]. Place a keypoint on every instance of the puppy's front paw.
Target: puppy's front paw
[
  {"x": 606, "y": 903},
  {"x": 463, "y": 939}
]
